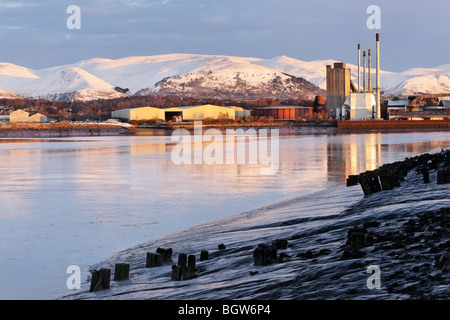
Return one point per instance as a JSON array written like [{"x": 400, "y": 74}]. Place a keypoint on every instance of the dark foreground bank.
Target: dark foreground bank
[{"x": 393, "y": 243}]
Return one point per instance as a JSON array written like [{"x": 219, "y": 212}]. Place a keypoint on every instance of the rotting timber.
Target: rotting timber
[{"x": 390, "y": 175}]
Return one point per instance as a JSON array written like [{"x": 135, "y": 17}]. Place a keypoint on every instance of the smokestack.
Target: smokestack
[
  {"x": 364, "y": 71},
  {"x": 369, "y": 87},
  {"x": 359, "y": 64},
  {"x": 378, "y": 77}
]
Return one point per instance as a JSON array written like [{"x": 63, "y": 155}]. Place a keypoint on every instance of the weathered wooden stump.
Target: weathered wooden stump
[
  {"x": 443, "y": 176},
  {"x": 153, "y": 260},
  {"x": 100, "y": 279},
  {"x": 176, "y": 273},
  {"x": 182, "y": 261},
  {"x": 166, "y": 254},
  {"x": 426, "y": 176},
  {"x": 204, "y": 255},
  {"x": 191, "y": 262},
  {"x": 189, "y": 272},
  {"x": 352, "y": 180},
  {"x": 264, "y": 254},
  {"x": 121, "y": 271}
]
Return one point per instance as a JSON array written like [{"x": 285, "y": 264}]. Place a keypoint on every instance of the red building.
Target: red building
[{"x": 283, "y": 112}]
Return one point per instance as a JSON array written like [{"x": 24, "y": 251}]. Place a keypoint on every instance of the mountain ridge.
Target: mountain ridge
[{"x": 202, "y": 76}]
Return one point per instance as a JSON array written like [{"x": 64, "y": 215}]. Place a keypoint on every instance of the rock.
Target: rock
[
  {"x": 356, "y": 237},
  {"x": 352, "y": 254},
  {"x": 280, "y": 243},
  {"x": 371, "y": 224},
  {"x": 283, "y": 257},
  {"x": 305, "y": 255},
  {"x": 221, "y": 246}
]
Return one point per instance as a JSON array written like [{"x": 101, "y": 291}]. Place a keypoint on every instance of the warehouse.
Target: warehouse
[
  {"x": 144, "y": 113},
  {"x": 240, "y": 112},
  {"x": 284, "y": 112},
  {"x": 199, "y": 112},
  {"x": 21, "y": 116}
]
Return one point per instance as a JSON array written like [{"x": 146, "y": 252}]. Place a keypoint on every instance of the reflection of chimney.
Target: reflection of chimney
[
  {"x": 364, "y": 71},
  {"x": 369, "y": 86},
  {"x": 359, "y": 64},
  {"x": 378, "y": 77}
]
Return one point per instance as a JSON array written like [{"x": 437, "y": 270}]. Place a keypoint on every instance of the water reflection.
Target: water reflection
[
  {"x": 75, "y": 201},
  {"x": 361, "y": 152}
]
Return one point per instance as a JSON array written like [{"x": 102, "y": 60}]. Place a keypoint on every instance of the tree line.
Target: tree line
[{"x": 103, "y": 108}]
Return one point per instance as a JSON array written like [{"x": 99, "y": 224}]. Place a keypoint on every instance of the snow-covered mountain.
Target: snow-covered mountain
[{"x": 206, "y": 76}]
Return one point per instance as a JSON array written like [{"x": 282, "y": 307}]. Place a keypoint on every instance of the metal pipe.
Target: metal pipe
[
  {"x": 364, "y": 71},
  {"x": 378, "y": 77},
  {"x": 359, "y": 65},
  {"x": 369, "y": 87}
]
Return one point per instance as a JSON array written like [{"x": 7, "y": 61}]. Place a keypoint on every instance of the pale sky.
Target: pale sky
[{"x": 413, "y": 33}]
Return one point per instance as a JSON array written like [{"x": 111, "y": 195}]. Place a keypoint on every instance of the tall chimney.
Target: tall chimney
[
  {"x": 378, "y": 77},
  {"x": 359, "y": 64},
  {"x": 364, "y": 71},
  {"x": 369, "y": 87}
]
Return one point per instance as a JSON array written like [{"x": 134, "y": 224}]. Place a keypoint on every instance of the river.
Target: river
[{"x": 76, "y": 201}]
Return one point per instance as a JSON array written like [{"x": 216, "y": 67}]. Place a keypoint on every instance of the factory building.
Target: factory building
[
  {"x": 190, "y": 113},
  {"x": 283, "y": 112},
  {"x": 338, "y": 86},
  {"x": 21, "y": 116},
  {"x": 187, "y": 113},
  {"x": 240, "y": 112},
  {"x": 357, "y": 103},
  {"x": 359, "y": 106},
  {"x": 144, "y": 113}
]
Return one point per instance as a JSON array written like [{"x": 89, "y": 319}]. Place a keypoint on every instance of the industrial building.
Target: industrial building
[
  {"x": 21, "y": 116},
  {"x": 284, "y": 112},
  {"x": 359, "y": 106},
  {"x": 190, "y": 113},
  {"x": 345, "y": 101},
  {"x": 240, "y": 112},
  {"x": 187, "y": 113},
  {"x": 338, "y": 86},
  {"x": 144, "y": 113}
]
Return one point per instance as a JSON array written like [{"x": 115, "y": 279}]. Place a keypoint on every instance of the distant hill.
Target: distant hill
[{"x": 200, "y": 76}]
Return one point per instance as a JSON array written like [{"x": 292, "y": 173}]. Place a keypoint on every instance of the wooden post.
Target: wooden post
[
  {"x": 182, "y": 260},
  {"x": 176, "y": 273},
  {"x": 121, "y": 271},
  {"x": 165, "y": 253},
  {"x": 100, "y": 279},
  {"x": 153, "y": 260},
  {"x": 204, "y": 255}
]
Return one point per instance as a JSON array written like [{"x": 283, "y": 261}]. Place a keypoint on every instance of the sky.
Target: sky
[{"x": 413, "y": 34}]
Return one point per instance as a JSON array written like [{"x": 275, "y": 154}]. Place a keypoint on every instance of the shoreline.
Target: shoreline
[
  {"x": 60, "y": 130},
  {"x": 92, "y": 129},
  {"x": 404, "y": 231}
]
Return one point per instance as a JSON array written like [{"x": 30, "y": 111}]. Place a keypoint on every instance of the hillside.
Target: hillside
[{"x": 201, "y": 76}]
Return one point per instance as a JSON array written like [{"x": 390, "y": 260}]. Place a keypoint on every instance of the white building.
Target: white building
[{"x": 359, "y": 106}]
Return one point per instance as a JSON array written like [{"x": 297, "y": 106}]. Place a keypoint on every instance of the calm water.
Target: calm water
[{"x": 78, "y": 200}]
